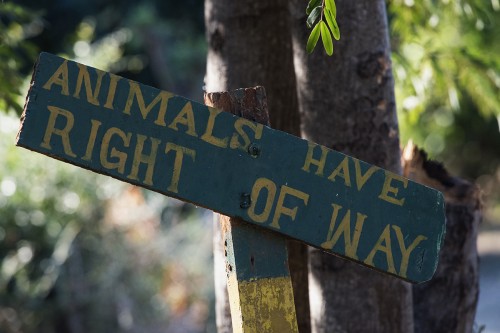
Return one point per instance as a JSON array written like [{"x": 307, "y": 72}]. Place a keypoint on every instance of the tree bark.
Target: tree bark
[
  {"x": 347, "y": 103},
  {"x": 249, "y": 45},
  {"x": 456, "y": 281}
]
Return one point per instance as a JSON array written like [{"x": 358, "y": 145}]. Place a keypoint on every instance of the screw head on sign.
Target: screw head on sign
[
  {"x": 245, "y": 200},
  {"x": 254, "y": 150}
]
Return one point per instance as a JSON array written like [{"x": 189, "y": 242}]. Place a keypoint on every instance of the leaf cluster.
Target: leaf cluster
[
  {"x": 447, "y": 73},
  {"x": 319, "y": 12},
  {"x": 17, "y": 25},
  {"x": 454, "y": 44}
]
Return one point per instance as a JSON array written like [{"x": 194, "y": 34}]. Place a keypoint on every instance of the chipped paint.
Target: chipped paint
[{"x": 262, "y": 305}]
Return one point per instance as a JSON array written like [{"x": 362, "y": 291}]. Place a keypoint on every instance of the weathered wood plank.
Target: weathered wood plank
[
  {"x": 259, "y": 282},
  {"x": 239, "y": 168}
]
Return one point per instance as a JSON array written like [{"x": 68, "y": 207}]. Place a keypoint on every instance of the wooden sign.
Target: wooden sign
[{"x": 166, "y": 143}]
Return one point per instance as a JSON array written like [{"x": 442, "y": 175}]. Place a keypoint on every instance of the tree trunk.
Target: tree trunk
[
  {"x": 347, "y": 103},
  {"x": 456, "y": 281},
  {"x": 249, "y": 45}
]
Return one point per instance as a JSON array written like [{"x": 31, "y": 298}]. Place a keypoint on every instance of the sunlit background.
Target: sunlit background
[{"x": 81, "y": 252}]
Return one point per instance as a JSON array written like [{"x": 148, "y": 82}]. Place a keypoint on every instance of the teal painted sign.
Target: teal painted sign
[{"x": 183, "y": 149}]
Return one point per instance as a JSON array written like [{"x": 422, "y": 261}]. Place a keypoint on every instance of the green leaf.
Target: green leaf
[
  {"x": 313, "y": 39},
  {"x": 330, "y": 4},
  {"x": 312, "y": 4},
  {"x": 332, "y": 24},
  {"x": 313, "y": 17},
  {"x": 326, "y": 37}
]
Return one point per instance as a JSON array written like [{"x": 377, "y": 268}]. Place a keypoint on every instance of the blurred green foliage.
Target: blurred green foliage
[
  {"x": 17, "y": 24},
  {"x": 81, "y": 252},
  {"x": 43, "y": 206},
  {"x": 155, "y": 42},
  {"x": 447, "y": 51}
]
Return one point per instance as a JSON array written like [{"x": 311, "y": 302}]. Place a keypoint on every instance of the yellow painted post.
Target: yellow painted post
[
  {"x": 258, "y": 278},
  {"x": 261, "y": 299}
]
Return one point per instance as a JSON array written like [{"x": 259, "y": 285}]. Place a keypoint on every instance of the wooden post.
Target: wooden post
[{"x": 258, "y": 278}]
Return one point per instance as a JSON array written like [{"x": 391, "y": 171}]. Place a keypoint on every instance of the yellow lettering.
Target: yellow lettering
[
  {"x": 310, "y": 160},
  {"x": 63, "y": 133},
  {"x": 91, "y": 143},
  {"x": 342, "y": 170},
  {"x": 260, "y": 184},
  {"x": 282, "y": 210},
  {"x": 149, "y": 160},
  {"x": 84, "y": 78},
  {"x": 120, "y": 156},
  {"x": 180, "y": 151},
  {"x": 208, "y": 135},
  {"x": 186, "y": 118},
  {"x": 240, "y": 133},
  {"x": 60, "y": 77},
  {"x": 350, "y": 244},
  {"x": 113, "y": 82},
  {"x": 405, "y": 252},
  {"x": 136, "y": 93},
  {"x": 360, "y": 178},
  {"x": 389, "y": 189},
  {"x": 385, "y": 238}
]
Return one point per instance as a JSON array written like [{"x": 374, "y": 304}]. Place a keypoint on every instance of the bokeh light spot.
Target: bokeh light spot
[{"x": 8, "y": 187}]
